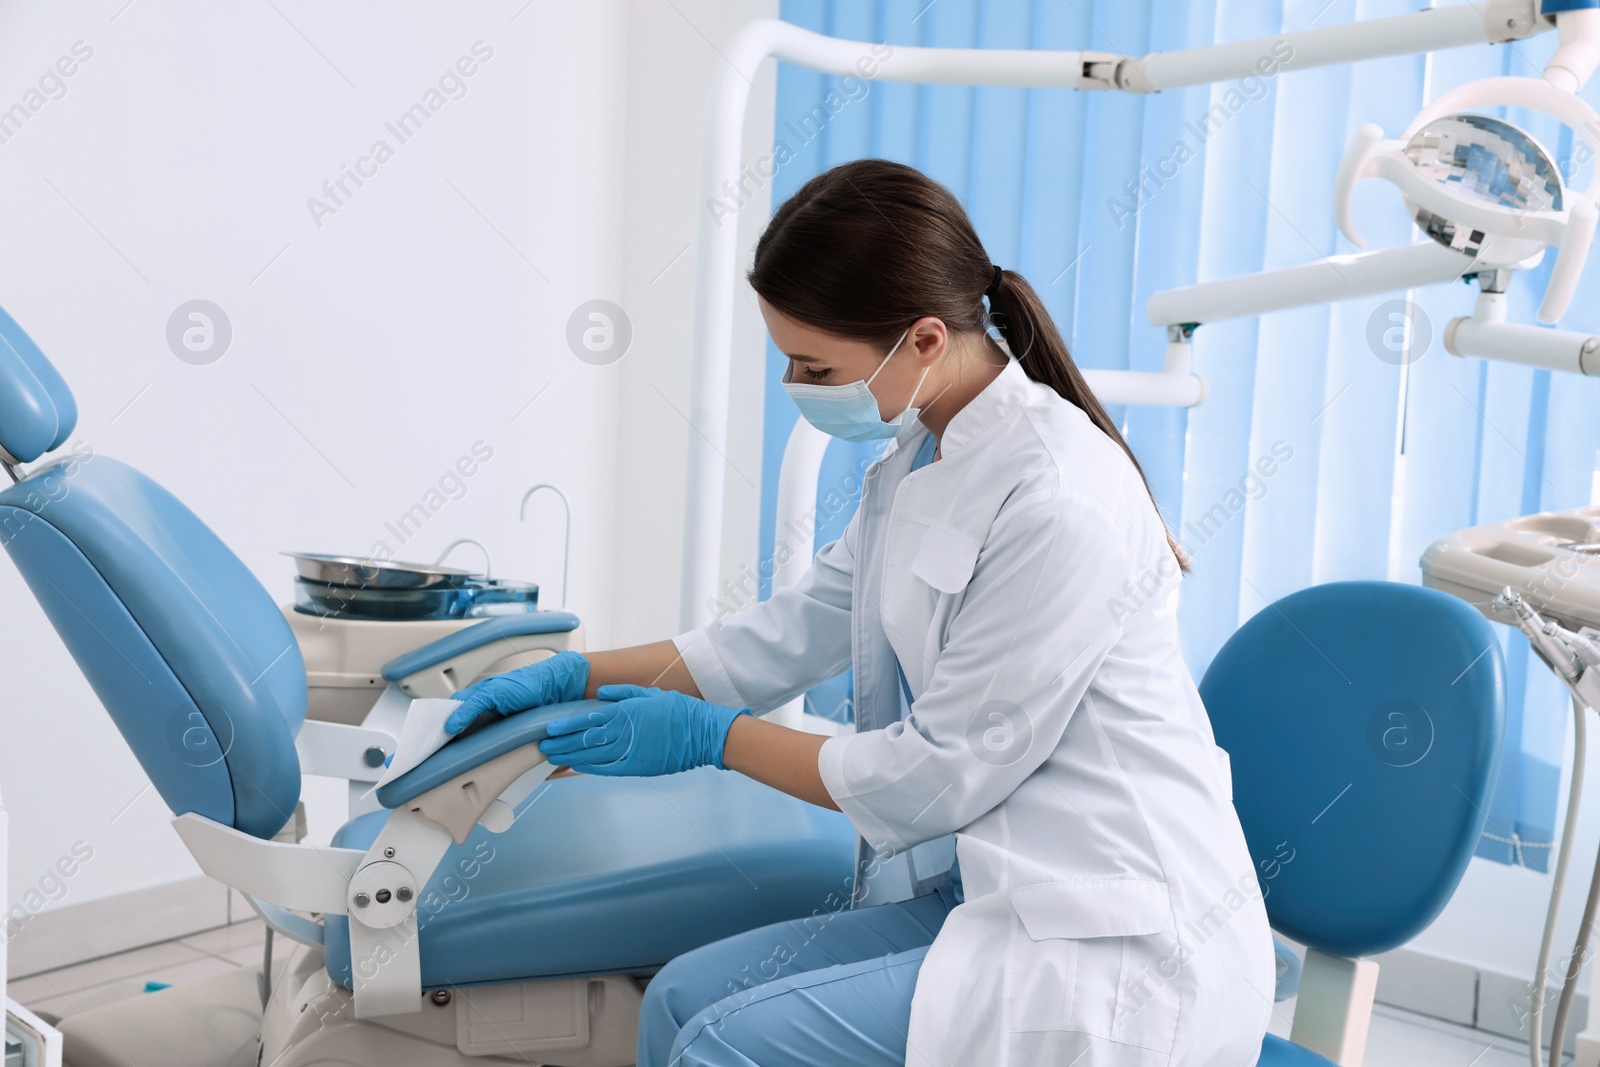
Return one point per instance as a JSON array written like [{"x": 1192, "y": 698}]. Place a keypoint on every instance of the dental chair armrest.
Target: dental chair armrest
[
  {"x": 499, "y": 629},
  {"x": 462, "y": 784},
  {"x": 475, "y": 748},
  {"x": 337, "y": 750}
]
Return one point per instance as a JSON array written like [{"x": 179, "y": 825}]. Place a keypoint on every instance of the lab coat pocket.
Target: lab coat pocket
[
  {"x": 1092, "y": 961},
  {"x": 945, "y": 561},
  {"x": 921, "y": 599}
]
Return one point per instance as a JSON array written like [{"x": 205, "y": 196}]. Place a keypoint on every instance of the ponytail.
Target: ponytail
[
  {"x": 899, "y": 246},
  {"x": 1031, "y": 334}
]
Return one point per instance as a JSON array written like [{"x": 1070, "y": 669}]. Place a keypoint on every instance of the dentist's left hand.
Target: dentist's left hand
[
  {"x": 643, "y": 732},
  {"x": 558, "y": 680}
]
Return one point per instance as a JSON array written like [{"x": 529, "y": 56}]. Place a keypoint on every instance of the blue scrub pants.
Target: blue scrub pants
[{"x": 832, "y": 989}]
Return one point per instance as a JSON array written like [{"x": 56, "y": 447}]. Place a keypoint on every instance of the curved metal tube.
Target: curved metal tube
[
  {"x": 488, "y": 564},
  {"x": 566, "y": 549}
]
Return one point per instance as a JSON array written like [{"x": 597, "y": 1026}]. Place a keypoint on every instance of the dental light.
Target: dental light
[
  {"x": 1468, "y": 181},
  {"x": 1481, "y": 186},
  {"x": 1489, "y": 197}
]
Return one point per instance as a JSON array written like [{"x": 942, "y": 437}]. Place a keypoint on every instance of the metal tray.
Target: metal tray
[{"x": 356, "y": 573}]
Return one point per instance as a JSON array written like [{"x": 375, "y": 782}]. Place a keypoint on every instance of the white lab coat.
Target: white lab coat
[{"x": 1024, "y": 584}]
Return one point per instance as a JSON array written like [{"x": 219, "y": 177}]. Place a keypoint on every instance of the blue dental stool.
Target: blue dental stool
[{"x": 1364, "y": 723}]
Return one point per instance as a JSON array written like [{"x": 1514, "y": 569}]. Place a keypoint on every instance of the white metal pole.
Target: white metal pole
[
  {"x": 1332, "y": 278},
  {"x": 795, "y": 529},
  {"x": 1113, "y": 387},
  {"x": 1423, "y": 31},
  {"x": 1487, "y": 334},
  {"x": 794, "y": 536}
]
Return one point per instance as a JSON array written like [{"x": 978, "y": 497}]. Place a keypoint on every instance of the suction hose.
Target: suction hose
[
  {"x": 1553, "y": 912},
  {"x": 1580, "y": 947}
]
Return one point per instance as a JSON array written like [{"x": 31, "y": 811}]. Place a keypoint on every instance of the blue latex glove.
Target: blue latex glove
[
  {"x": 644, "y": 732},
  {"x": 556, "y": 680}
]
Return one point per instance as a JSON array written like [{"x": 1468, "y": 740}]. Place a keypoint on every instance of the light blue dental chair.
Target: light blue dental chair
[
  {"x": 529, "y": 943},
  {"x": 1363, "y": 721}
]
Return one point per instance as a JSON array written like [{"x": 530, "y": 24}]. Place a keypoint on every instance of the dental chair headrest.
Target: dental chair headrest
[{"x": 37, "y": 412}]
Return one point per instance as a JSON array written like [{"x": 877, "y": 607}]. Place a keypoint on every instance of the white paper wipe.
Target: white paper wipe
[{"x": 421, "y": 736}]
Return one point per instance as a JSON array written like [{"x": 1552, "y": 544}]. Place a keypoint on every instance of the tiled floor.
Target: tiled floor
[
  {"x": 1398, "y": 1038},
  {"x": 88, "y": 985},
  {"x": 1404, "y": 1039}
]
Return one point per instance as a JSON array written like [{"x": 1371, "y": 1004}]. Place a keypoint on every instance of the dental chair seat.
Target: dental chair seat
[{"x": 605, "y": 875}]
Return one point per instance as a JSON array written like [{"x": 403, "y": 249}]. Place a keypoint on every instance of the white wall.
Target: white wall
[
  {"x": 664, "y": 206},
  {"x": 371, "y": 346}
]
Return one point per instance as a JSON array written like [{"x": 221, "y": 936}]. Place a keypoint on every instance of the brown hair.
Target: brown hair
[{"x": 895, "y": 246}]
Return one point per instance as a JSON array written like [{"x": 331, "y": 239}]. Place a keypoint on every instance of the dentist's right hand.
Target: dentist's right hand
[{"x": 557, "y": 680}]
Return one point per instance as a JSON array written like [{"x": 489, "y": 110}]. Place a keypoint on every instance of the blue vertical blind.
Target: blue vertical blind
[{"x": 1313, "y": 460}]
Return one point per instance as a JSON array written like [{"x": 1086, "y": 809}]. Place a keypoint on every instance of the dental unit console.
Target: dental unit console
[
  {"x": 353, "y": 617},
  {"x": 1541, "y": 574},
  {"x": 1552, "y": 560}
]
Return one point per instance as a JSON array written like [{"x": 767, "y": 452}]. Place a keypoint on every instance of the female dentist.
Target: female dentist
[{"x": 1006, "y": 595}]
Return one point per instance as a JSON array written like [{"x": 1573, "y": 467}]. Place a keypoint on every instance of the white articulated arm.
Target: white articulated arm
[
  {"x": 1452, "y": 26},
  {"x": 1575, "y": 60},
  {"x": 1488, "y": 335},
  {"x": 1330, "y": 279}
]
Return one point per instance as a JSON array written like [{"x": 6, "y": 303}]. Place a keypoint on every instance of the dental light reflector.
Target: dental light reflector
[
  {"x": 1481, "y": 186},
  {"x": 1483, "y": 159}
]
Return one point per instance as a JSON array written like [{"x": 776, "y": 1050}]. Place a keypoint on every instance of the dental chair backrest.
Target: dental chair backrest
[
  {"x": 1363, "y": 721},
  {"x": 183, "y": 646}
]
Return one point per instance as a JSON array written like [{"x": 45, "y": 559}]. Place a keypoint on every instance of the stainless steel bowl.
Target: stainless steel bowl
[
  {"x": 343, "y": 601},
  {"x": 497, "y": 596},
  {"x": 356, "y": 573}
]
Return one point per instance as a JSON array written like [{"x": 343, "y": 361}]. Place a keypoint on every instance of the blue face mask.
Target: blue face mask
[{"x": 850, "y": 411}]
